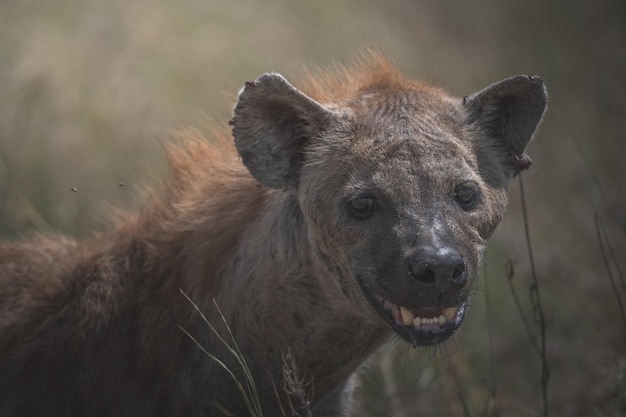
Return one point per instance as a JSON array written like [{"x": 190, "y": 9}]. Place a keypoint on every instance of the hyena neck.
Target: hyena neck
[{"x": 279, "y": 300}]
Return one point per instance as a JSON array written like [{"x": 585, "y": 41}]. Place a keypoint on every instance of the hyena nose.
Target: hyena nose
[{"x": 432, "y": 267}]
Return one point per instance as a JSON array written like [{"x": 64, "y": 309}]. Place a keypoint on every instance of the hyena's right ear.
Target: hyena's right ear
[
  {"x": 508, "y": 112},
  {"x": 272, "y": 125}
]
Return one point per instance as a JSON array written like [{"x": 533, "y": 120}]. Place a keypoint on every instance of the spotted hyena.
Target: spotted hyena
[{"x": 349, "y": 211}]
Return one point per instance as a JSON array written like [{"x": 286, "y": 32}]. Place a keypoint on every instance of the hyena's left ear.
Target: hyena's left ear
[
  {"x": 508, "y": 112},
  {"x": 273, "y": 123}
]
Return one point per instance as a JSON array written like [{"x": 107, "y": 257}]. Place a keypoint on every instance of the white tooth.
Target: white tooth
[
  {"x": 442, "y": 319},
  {"x": 407, "y": 316},
  {"x": 449, "y": 313},
  {"x": 417, "y": 322}
]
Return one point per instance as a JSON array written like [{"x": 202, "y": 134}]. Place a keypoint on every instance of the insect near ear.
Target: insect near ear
[{"x": 361, "y": 207}]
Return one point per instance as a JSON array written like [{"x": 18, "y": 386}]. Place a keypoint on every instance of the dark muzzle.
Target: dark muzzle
[{"x": 437, "y": 268}]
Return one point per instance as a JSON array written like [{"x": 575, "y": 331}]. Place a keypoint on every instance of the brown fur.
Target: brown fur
[
  {"x": 371, "y": 72},
  {"x": 93, "y": 327}
]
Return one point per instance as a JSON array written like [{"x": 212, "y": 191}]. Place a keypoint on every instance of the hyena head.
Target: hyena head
[{"x": 400, "y": 185}]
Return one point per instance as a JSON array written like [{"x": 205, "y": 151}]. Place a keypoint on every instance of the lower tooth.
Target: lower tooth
[{"x": 419, "y": 321}]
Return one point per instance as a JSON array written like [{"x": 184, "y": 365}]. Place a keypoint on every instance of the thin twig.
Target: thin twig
[
  {"x": 613, "y": 257},
  {"x": 486, "y": 406},
  {"x": 466, "y": 412},
  {"x": 608, "y": 267},
  {"x": 492, "y": 383},
  {"x": 536, "y": 305},
  {"x": 510, "y": 273}
]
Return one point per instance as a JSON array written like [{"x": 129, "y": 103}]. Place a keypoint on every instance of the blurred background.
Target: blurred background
[{"x": 89, "y": 91}]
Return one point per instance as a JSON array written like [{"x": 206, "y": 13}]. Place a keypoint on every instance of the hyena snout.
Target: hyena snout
[{"x": 432, "y": 267}]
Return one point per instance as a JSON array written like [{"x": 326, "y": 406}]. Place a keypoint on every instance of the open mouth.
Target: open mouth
[{"x": 424, "y": 327}]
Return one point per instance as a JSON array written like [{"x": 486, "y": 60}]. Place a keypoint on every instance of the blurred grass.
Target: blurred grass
[{"x": 89, "y": 90}]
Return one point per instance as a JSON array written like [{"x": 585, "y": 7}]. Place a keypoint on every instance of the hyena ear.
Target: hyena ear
[
  {"x": 509, "y": 112},
  {"x": 272, "y": 125}
]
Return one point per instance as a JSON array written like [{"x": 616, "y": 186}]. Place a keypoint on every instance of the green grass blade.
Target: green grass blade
[
  {"x": 240, "y": 387},
  {"x": 248, "y": 391}
]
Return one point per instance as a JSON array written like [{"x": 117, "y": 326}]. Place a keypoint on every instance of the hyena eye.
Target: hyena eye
[
  {"x": 361, "y": 206},
  {"x": 466, "y": 196}
]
